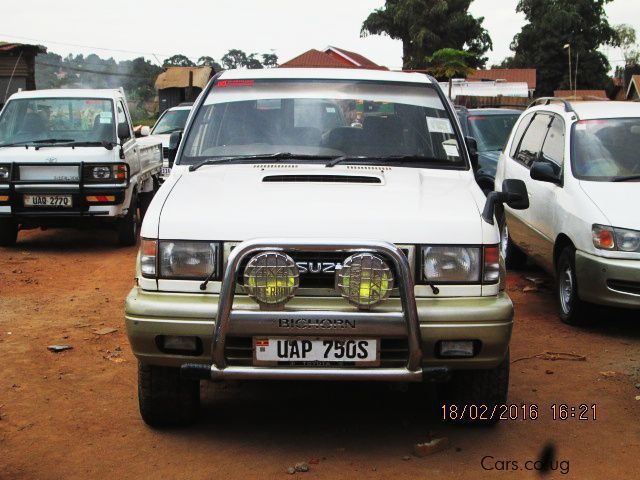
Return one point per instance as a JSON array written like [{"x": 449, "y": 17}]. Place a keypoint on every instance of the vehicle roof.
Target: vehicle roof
[
  {"x": 70, "y": 93},
  {"x": 494, "y": 111},
  {"x": 325, "y": 74},
  {"x": 596, "y": 109}
]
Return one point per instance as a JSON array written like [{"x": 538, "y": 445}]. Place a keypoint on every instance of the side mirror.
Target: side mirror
[
  {"x": 174, "y": 143},
  {"x": 145, "y": 131},
  {"x": 123, "y": 131},
  {"x": 514, "y": 194},
  {"x": 546, "y": 172},
  {"x": 472, "y": 145}
]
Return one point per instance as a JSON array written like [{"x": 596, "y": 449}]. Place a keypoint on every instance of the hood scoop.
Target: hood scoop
[{"x": 319, "y": 178}]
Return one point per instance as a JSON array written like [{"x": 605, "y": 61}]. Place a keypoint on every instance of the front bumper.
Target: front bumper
[
  {"x": 607, "y": 281},
  {"x": 486, "y": 319}
]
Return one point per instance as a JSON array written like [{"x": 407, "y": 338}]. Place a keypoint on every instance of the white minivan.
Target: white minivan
[{"x": 581, "y": 164}]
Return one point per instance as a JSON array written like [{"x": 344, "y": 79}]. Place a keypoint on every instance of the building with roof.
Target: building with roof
[
  {"x": 176, "y": 85},
  {"x": 510, "y": 75},
  {"x": 581, "y": 94},
  {"x": 331, "y": 57},
  {"x": 17, "y": 68},
  {"x": 633, "y": 90}
]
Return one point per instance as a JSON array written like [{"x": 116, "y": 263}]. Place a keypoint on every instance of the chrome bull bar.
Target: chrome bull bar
[{"x": 230, "y": 320}]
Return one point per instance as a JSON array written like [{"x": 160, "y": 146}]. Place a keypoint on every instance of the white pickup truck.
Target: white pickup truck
[{"x": 69, "y": 158}]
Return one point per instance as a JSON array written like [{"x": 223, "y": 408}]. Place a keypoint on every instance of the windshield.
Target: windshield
[
  {"x": 322, "y": 118},
  {"x": 170, "y": 121},
  {"x": 606, "y": 149},
  {"x": 491, "y": 131},
  {"x": 72, "y": 119}
]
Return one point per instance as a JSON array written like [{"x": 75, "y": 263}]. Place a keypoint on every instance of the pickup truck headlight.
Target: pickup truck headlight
[
  {"x": 188, "y": 260},
  {"x": 4, "y": 174},
  {"x": 451, "y": 264},
  {"x": 612, "y": 238},
  {"x": 114, "y": 173}
]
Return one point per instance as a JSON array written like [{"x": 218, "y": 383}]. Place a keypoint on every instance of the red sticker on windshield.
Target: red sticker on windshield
[{"x": 235, "y": 83}]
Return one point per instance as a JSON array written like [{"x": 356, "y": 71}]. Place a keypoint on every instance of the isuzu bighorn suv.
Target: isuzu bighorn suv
[
  {"x": 320, "y": 224},
  {"x": 69, "y": 158}
]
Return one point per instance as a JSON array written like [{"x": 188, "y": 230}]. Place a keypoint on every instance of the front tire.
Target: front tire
[
  {"x": 481, "y": 388},
  {"x": 128, "y": 225},
  {"x": 165, "y": 398},
  {"x": 8, "y": 232},
  {"x": 572, "y": 310}
]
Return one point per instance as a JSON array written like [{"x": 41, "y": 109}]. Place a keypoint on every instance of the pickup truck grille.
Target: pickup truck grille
[{"x": 394, "y": 352}]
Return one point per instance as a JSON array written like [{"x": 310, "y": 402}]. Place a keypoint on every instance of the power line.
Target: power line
[{"x": 87, "y": 70}]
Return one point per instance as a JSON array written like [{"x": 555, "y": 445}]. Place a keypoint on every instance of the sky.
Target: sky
[{"x": 156, "y": 29}]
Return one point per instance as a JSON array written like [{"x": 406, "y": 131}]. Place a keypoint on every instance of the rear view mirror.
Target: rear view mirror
[
  {"x": 174, "y": 143},
  {"x": 472, "y": 145},
  {"x": 514, "y": 194},
  {"x": 546, "y": 172},
  {"x": 123, "y": 131},
  {"x": 145, "y": 131}
]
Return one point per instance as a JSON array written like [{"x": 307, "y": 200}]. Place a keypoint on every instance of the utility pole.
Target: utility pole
[{"x": 568, "y": 46}]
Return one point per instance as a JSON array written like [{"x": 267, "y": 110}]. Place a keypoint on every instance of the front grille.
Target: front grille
[
  {"x": 624, "y": 286},
  {"x": 319, "y": 265},
  {"x": 394, "y": 352}
]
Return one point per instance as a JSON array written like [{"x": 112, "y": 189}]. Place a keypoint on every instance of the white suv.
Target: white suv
[{"x": 581, "y": 165}]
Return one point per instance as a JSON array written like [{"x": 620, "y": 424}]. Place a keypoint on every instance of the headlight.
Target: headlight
[
  {"x": 271, "y": 279},
  {"x": 612, "y": 238},
  {"x": 364, "y": 280},
  {"x": 4, "y": 174},
  {"x": 188, "y": 260},
  {"x": 118, "y": 172},
  {"x": 451, "y": 264}
]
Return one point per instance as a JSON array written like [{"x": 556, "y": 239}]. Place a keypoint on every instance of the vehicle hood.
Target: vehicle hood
[
  {"x": 408, "y": 205},
  {"x": 58, "y": 154},
  {"x": 618, "y": 201},
  {"x": 164, "y": 138}
]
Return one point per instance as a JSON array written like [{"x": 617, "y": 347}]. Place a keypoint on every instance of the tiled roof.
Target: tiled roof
[
  {"x": 527, "y": 75},
  {"x": 9, "y": 46},
  {"x": 633, "y": 83},
  {"x": 581, "y": 93},
  {"x": 359, "y": 60},
  {"x": 314, "y": 59}
]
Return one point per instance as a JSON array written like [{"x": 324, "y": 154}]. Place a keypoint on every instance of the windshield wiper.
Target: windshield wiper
[
  {"x": 164, "y": 132},
  {"x": 626, "y": 179},
  {"x": 51, "y": 141},
  {"x": 268, "y": 156},
  {"x": 381, "y": 160},
  {"x": 105, "y": 143}
]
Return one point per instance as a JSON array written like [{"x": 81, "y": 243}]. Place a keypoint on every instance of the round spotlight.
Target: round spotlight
[
  {"x": 364, "y": 280},
  {"x": 271, "y": 278}
]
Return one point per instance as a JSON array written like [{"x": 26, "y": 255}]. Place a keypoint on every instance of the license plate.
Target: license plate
[
  {"x": 166, "y": 171},
  {"x": 315, "y": 351},
  {"x": 63, "y": 201}
]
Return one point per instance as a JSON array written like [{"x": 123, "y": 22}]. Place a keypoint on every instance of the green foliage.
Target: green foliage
[
  {"x": 449, "y": 62},
  {"x": 235, "y": 58},
  {"x": 553, "y": 23},
  {"x": 426, "y": 26},
  {"x": 206, "y": 61},
  {"x": 269, "y": 60},
  {"x": 626, "y": 37},
  {"x": 178, "y": 60}
]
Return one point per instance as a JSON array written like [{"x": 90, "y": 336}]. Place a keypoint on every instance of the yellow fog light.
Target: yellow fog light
[
  {"x": 271, "y": 278},
  {"x": 364, "y": 280}
]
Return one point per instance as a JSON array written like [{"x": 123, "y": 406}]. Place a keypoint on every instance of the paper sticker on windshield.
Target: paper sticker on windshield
[
  {"x": 439, "y": 125},
  {"x": 451, "y": 150},
  {"x": 105, "y": 117}
]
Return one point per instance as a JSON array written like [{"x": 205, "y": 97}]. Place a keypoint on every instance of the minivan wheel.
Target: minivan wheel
[
  {"x": 483, "y": 388},
  {"x": 514, "y": 258},
  {"x": 573, "y": 311},
  {"x": 165, "y": 398},
  {"x": 128, "y": 225},
  {"x": 8, "y": 232}
]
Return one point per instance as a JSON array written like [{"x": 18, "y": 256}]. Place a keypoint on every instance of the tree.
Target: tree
[
  {"x": 206, "y": 61},
  {"x": 178, "y": 61},
  {"x": 551, "y": 25},
  {"x": 426, "y": 26},
  {"x": 449, "y": 62},
  {"x": 269, "y": 60},
  {"x": 626, "y": 36},
  {"x": 234, "y": 58}
]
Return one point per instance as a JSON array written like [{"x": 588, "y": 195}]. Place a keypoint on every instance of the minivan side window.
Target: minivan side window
[
  {"x": 518, "y": 136},
  {"x": 533, "y": 139},
  {"x": 553, "y": 148}
]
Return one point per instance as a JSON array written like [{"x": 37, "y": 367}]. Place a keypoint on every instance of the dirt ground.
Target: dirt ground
[{"x": 75, "y": 415}]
